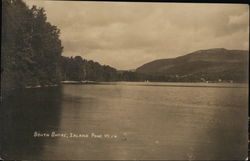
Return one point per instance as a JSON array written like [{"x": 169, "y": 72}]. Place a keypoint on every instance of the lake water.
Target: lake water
[{"x": 184, "y": 121}]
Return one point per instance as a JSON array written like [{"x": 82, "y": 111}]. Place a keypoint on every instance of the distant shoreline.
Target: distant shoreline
[
  {"x": 167, "y": 84},
  {"x": 142, "y": 83}
]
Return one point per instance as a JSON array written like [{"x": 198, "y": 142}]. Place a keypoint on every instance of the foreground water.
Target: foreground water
[{"x": 184, "y": 121}]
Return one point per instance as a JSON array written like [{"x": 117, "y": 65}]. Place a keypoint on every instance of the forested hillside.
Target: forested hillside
[
  {"x": 30, "y": 49},
  {"x": 78, "y": 69},
  {"x": 203, "y": 65}
]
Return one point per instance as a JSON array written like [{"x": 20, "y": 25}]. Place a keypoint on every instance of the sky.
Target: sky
[{"x": 126, "y": 35}]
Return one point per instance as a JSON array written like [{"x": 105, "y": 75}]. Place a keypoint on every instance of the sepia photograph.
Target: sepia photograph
[{"x": 107, "y": 80}]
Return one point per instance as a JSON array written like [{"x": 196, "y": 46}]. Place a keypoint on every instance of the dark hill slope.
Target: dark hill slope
[{"x": 211, "y": 64}]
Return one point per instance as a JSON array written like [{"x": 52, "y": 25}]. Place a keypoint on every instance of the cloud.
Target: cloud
[{"x": 126, "y": 35}]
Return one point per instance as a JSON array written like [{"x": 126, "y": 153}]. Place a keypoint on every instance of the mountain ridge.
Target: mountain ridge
[{"x": 224, "y": 63}]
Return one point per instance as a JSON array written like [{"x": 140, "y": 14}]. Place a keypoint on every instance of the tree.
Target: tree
[{"x": 31, "y": 48}]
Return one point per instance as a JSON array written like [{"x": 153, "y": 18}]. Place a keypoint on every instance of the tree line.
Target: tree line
[
  {"x": 30, "y": 49},
  {"x": 79, "y": 69}
]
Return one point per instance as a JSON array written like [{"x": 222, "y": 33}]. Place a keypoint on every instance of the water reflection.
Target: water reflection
[{"x": 23, "y": 112}]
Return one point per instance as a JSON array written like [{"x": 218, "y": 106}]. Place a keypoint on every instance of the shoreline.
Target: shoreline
[
  {"x": 173, "y": 84},
  {"x": 168, "y": 84},
  {"x": 30, "y": 87},
  {"x": 79, "y": 82},
  {"x": 41, "y": 86}
]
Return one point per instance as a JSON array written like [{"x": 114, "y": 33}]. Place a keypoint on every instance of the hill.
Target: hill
[{"x": 206, "y": 65}]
